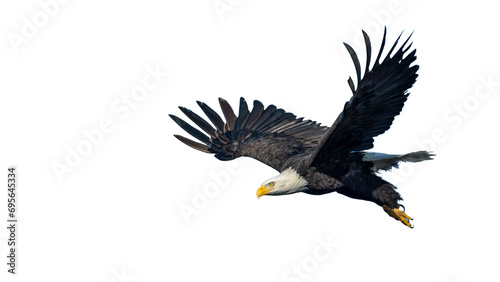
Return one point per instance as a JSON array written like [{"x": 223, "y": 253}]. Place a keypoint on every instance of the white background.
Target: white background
[{"x": 116, "y": 216}]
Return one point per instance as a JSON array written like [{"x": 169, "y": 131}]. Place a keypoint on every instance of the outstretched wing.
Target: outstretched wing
[
  {"x": 378, "y": 98},
  {"x": 269, "y": 135}
]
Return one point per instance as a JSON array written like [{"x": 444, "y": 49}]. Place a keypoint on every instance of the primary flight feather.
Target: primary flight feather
[{"x": 316, "y": 159}]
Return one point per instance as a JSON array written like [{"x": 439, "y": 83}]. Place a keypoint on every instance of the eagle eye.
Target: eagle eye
[{"x": 271, "y": 184}]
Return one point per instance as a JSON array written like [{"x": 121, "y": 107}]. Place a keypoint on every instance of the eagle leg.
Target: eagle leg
[{"x": 398, "y": 215}]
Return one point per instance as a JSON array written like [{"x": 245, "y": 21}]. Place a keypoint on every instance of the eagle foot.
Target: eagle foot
[{"x": 399, "y": 215}]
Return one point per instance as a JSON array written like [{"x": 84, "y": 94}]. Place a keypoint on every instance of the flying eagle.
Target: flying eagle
[{"x": 316, "y": 159}]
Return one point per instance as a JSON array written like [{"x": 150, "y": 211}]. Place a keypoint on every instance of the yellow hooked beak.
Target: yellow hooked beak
[{"x": 262, "y": 191}]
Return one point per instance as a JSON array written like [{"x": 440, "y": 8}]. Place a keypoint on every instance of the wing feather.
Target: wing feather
[
  {"x": 193, "y": 144},
  {"x": 379, "y": 97},
  {"x": 242, "y": 115},
  {"x": 228, "y": 114},
  {"x": 271, "y": 136},
  {"x": 191, "y": 130},
  {"x": 212, "y": 115},
  {"x": 255, "y": 114},
  {"x": 205, "y": 126}
]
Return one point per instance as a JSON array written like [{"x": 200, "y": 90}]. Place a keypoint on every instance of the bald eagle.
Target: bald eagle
[{"x": 316, "y": 159}]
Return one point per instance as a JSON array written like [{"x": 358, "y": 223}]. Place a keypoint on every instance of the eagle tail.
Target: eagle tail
[{"x": 387, "y": 162}]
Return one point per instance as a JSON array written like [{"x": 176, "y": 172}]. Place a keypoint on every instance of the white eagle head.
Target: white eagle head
[{"x": 287, "y": 182}]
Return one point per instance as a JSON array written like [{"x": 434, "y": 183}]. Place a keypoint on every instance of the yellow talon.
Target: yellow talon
[{"x": 399, "y": 215}]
